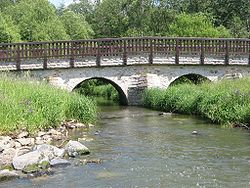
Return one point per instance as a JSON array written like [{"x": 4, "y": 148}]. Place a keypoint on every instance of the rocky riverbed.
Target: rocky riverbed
[{"x": 25, "y": 155}]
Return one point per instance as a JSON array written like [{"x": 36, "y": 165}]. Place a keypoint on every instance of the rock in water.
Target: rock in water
[
  {"x": 194, "y": 132},
  {"x": 20, "y": 162},
  {"x": 59, "y": 162},
  {"x": 75, "y": 148},
  {"x": 50, "y": 151}
]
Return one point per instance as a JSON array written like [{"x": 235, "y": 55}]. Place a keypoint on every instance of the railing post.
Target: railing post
[
  {"x": 177, "y": 52},
  {"x": 227, "y": 54},
  {"x": 18, "y": 60},
  {"x": 125, "y": 57},
  {"x": 98, "y": 57},
  {"x": 202, "y": 55},
  {"x": 72, "y": 56},
  {"x": 45, "y": 59},
  {"x": 151, "y": 51}
]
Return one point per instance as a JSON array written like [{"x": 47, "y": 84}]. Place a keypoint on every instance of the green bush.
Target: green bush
[
  {"x": 25, "y": 103},
  {"x": 224, "y": 102}
]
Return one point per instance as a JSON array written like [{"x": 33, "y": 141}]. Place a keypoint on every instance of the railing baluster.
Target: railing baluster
[
  {"x": 177, "y": 51},
  {"x": 227, "y": 53},
  {"x": 18, "y": 60},
  {"x": 151, "y": 52},
  {"x": 202, "y": 53},
  {"x": 72, "y": 56},
  {"x": 98, "y": 57},
  {"x": 45, "y": 57},
  {"x": 125, "y": 57}
]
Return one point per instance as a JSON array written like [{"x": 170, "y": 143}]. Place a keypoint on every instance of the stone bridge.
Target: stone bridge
[{"x": 129, "y": 64}]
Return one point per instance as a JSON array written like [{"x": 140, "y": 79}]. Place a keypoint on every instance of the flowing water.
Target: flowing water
[{"x": 139, "y": 148}]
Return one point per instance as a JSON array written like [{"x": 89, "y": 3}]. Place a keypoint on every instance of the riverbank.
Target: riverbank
[
  {"x": 28, "y": 156},
  {"x": 225, "y": 102},
  {"x": 33, "y": 106}
]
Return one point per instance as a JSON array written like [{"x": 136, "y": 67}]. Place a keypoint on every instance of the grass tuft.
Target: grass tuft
[{"x": 33, "y": 105}]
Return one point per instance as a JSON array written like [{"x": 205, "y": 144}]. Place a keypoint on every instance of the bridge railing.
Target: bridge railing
[{"x": 124, "y": 47}]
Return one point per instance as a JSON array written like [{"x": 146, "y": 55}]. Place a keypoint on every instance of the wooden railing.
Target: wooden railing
[{"x": 203, "y": 47}]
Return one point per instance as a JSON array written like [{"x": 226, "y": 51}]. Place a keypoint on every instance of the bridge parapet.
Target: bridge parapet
[{"x": 124, "y": 51}]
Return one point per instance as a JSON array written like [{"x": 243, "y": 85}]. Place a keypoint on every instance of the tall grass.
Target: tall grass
[
  {"x": 223, "y": 102},
  {"x": 33, "y": 105}
]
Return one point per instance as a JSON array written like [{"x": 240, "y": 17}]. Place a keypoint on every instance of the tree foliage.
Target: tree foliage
[
  {"x": 76, "y": 26},
  {"x": 38, "y": 20},
  {"x": 8, "y": 31},
  {"x": 198, "y": 25},
  {"x": 39, "y": 23}
]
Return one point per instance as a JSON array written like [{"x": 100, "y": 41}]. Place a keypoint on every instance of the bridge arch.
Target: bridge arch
[
  {"x": 122, "y": 96},
  {"x": 189, "y": 78}
]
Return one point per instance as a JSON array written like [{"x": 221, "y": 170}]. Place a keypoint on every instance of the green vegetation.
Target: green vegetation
[
  {"x": 224, "y": 102},
  {"x": 198, "y": 25},
  {"x": 96, "y": 88},
  {"x": 8, "y": 31},
  {"x": 39, "y": 20},
  {"x": 26, "y": 103},
  {"x": 118, "y": 18}
]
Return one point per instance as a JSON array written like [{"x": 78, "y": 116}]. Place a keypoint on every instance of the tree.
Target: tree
[
  {"x": 76, "y": 25},
  {"x": 40, "y": 23},
  {"x": 110, "y": 18},
  {"x": 8, "y": 31},
  {"x": 5, "y": 3},
  {"x": 196, "y": 25}
]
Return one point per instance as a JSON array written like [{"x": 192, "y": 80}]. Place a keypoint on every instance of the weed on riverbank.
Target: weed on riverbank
[
  {"x": 224, "y": 102},
  {"x": 33, "y": 105}
]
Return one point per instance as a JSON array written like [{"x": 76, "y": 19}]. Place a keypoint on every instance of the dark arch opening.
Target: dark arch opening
[
  {"x": 121, "y": 95},
  {"x": 190, "y": 79}
]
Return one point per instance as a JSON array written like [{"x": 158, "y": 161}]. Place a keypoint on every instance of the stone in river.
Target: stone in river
[
  {"x": 31, "y": 158},
  {"x": 59, "y": 162},
  {"x": 75, "y": 148}
]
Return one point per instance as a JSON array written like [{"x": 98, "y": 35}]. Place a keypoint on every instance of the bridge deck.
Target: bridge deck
[{"x": 124, "y": 51}]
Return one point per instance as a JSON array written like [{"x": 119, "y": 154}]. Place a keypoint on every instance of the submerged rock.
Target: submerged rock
[
  {"x": 75, "y": 148},
  {"x": 88, "y": 161},
  {"x": 59, "y": 162}
]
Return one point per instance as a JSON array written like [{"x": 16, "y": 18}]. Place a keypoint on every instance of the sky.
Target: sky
[{"x": 57, "y": 2}]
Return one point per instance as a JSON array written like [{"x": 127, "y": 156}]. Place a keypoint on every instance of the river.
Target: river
[{"x": 139, "y": 148}]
